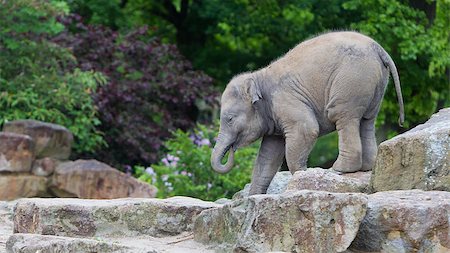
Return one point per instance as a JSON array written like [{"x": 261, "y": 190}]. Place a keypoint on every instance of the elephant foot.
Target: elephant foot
[
  {"x": 366, "y": 168},
  {"x": 335, "y": 171},
  {"x": 368, "y": 163},
  {"x": 346, "y": 166}
]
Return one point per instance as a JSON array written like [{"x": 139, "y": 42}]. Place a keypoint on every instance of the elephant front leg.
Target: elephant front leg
[
  {"x": 300, "y": 140},
  {"x": 270, "y": 158}
]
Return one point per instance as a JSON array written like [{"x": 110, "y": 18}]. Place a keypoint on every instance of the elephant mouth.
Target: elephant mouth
[{"x": 227, "y": 148}]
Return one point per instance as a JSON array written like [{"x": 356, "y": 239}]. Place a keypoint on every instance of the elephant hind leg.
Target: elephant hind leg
[
  {"x": 350, "y": 150},
  {"x": 369, "y": 144}
]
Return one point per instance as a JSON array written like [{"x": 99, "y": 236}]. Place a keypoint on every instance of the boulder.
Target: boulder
[
  {"x": 301, "y": 221},
  {"x": 326, "y": 180},
  {"x": 119, "y": 217},
  {"x": 14, "y": 186},
  {"x": 44, "y": 167},
  {"x": 29, "y": 243},
  {"x": 6, "y": 224},
  {"x": 277, "y": 186},
  {"x": 16, "y": 152},
  {"x": 91, "y": 179},
  {"x": 406, "y": 221},
  {"x": 51, "y": 140},
  {"x": 417, "y": 159}
]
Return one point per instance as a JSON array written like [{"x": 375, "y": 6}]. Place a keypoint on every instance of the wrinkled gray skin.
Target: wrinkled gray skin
[{"x": 335, "y": 81}]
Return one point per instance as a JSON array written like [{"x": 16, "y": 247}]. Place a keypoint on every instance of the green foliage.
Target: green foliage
[
  {"x": 419, "y": 45},
  {"x": 102, "y": 12},
  {"x": 36, "y": 77},
  {"x": 324, "y": 152},
  {"x": 186, "y": 169}
]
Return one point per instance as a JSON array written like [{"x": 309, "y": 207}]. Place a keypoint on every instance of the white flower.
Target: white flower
[{"x": 150, "y": 171}]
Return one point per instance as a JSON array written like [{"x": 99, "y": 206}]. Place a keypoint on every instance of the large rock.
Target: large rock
[
  {"x": 16, "y": 152},
  {"x": 14, "y": 186},
  {"x": 326, "y": 180},
  {"x": 91, "y": 179},
  {"x": 51, "y": 140},
  {"x": 406, "y": 221},
  {"x": 6, "y": 223},
  {"x": 183, "y": 243},
  {"x": 29, "y": 243},
  {"x": 302, "y": 221},
  {"x": 317, "y": 179},
  {"x": 119, "y": 217},
  {"x": 417, "y": 159},
  {"x": 277, "y": 186},
  {"x": 44, "y": 167}
]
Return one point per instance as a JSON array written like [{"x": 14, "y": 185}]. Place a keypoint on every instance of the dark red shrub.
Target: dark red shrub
[{"x": 152, "y": 88}]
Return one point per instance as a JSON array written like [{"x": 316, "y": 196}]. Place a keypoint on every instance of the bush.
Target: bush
[
  {"x": 37, "y": 80},
  {"x": 152, "y": 89},
  {"x": 186, "y": 169}
]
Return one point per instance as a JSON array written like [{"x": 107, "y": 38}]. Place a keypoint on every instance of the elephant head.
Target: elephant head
[{"x": 240, "y": 120}]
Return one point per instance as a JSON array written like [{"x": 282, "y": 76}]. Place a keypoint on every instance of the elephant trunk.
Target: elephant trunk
[{"x": 218, "y": 153}]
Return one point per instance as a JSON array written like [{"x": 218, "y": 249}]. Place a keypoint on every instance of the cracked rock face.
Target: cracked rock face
[
  {"x": 14, "y": 186},
  {"x": 301, "y": 221},
  {"x": 50, "y": 140},
  {"x": 406, "y": 221},
  {"x": 16, "y": 152},
  {"x": 121, "y": 217},
  {"x": 91, "y": 179},
  {"x": 417, "y": 159},
  {"x": 29, "y": 243},
  {"x": 324, "y": 180}
]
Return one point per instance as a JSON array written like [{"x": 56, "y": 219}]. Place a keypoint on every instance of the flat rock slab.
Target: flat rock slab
[
  {"x": 44, "y": 167},
  {"x": 417, "y": 159},
  {"x": 122, "y": 217},
  {"x": 51, "y": 140},
  {"x": 32, "y": 243},
  {"x": 406, "y": 221},
  {"x": 325, "y": 180},
  {"x": 14, "y": 186},
  {"x": 29, "y": 243},
  {"x": 16, "y": 152},
  {"x": 301, "y": 221},
  {"x": 277, "y": 186},
  {"x": 91, "y": 179},
  {"x": 6, "y": 222}
]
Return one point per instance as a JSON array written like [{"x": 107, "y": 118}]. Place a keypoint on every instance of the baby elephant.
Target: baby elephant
[{"x": 335, "y": 81}]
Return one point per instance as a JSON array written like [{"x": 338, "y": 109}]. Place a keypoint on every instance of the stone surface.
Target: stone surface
[
  {"x": 301, "y": 221},
  {"x": 44, "y": 167},
  {"x": 91, "y": 179},
  {"x": 121, "y": 217},
  {"x": 182, "y": 243},
  {"x": 6, "y": 224},
  {"x": 29, "y": 243},
  {"x": 277, "y": 186},
  {"x": 16, "y": 152},
  {"x": 326, "y": 180},
  {"x": 14, "y": 186},
  {"x": 406, "y": 221},
  {"x": 51, "y": 140},
  {"x": 417, "y": 159}
]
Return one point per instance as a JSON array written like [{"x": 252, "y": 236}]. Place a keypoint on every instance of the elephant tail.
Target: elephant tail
[{"x": 388, "y": 62}]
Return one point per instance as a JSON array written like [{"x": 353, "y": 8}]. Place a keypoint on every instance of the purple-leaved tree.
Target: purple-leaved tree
[{"x": 151, "y": 90}]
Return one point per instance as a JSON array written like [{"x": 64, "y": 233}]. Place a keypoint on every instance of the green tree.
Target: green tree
[
  {"x": 37, "y": 78},
  {"x": 238, "y": 36},
  {"x": 418, "y": 38}
]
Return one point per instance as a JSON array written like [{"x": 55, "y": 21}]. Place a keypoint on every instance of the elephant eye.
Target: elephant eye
[{"x": 229, "y": 119}]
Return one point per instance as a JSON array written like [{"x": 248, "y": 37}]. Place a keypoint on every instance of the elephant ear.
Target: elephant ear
[{"x": 253, "y": 90}]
